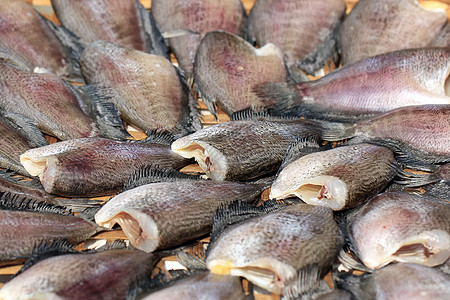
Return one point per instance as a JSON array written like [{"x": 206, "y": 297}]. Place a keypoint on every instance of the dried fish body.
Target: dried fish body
[
  {"x": 162, "y": 215},
  {"x": 443, "y": 40},
  {"x": 273, "y": 250},
  {"x": 244, "y": 149},
  {"x": 304, "y": 30},
  {"x": 94, "y": 166},
  {"x": 376, "y": 27},
  {"x": 339, "y": 178},
  {"x": 146, "y": 89},
  {"x": 194, "y": 19},
  {"x": 401, "y": 227},
  {"x": 45, "y": 99},
  {"x": 104, "y": 275},
  {"x": 227, "y": 68}
]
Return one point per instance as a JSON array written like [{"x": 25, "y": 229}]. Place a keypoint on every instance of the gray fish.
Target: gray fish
[
  {"x": 39, "y": 49},
  {"x": 400, "y": 227},
  {"x": 275, "y": 250},
  {"x": 202, "y": 286},
  {"x": 161, "y": 215},
  {"x": 146, "y": 89},
  {"x": 227, "y": 68},
  {"x": 196, "y": 18},
  {"x": 123, "y": 22},
  {"x": 45, "y": 99},
  {"x": 340, "y": 178},
  {"x": 400, "y": 281},
  {"x": 243, "y": 149},
  {"x": 105, "y": 275},
  {"x": 443, "y": 39},
  {"x": 370, "y": 86},
  {"x": 304, "y": 30},
  {"x": 376, "y": 27},
  {"x": 420, "y": 132},
  {"x": 93, "y": 167}
]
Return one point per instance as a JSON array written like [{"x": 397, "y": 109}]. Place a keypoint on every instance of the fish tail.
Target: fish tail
[
  {"x": 280, "y": 96},
  {"x": 333, "y": 131}
]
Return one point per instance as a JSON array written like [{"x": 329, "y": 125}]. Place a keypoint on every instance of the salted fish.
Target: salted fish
[
  {"x": 193, "y": 19},
  {"x": 161, "y": 215},
  {"x": 400, "y": 227},
  {"x": 377, "y": 27},
  {"x": 40, "y": 49},
  {"x": 227, "y": 68},
  {"x": 90, "y": 167},
  {"x": 339, "y": 178},
  {"x": 273, "y": 251},
  {"x": 304, "y": 30},
  {"x": 104, "y": 275},
  {"x": 146, "y": 89},
  {"x": 373, "y": 85}
]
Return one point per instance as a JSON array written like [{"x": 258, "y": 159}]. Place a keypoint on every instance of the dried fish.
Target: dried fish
[
  {"x": 227, "y": 68},
  {"x": 376, "y": 27},
  {"x": 339, "y": 178},
  {"x": 162, "y": 215},
  {"x": 90, "y": 167},
  {"x": 443, "y": 40}
]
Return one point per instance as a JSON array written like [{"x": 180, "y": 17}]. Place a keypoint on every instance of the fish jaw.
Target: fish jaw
[
  {"x": 139, "y": 228},
  {"x": 211, "y": 160},
  {"x": 429, "y": 248},
  {"x": 323, "y": 190}
]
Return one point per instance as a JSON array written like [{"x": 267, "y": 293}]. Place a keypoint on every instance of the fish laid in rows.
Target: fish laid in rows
[
  {"x": 340, "y": 178},
  {"x": 40, "y": 49},
  {"x": 400, "y": 227},
  {"x": 243, "y": 149},
  {"x": 227, "y": 68},
  {"x": 443, "y": 40},
  {"x": 93, "y": 167},
  {"x": 123, "y": 22},
  {"x": 399, "y": 281},
  {"x": 288, "y": 249},
  {"x": 24, "y": 226},
  {"x": 185, "y": 23},
  {"x": 201, "y": 286},
  {"x": 369, "y": 86},
  {"x": 377, "y": 27},
  {"x": 162, "y": 215},
  {"x": 109, "y": 274},
  {"x": 304, "y": 30},
  {"x": 422, "y": 133},
  {"x": 17, "y": 135},
  {"x": 146, "y": 89}
]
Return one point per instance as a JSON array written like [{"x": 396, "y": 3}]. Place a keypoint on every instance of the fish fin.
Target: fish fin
[
  {"x": 7, "y": 58},
  {"x": 209, "y": 103},
  {"x": 409, "y": 160},
  {"x": 88, "y": 213},
  {"x": 332, "y": 131},
  {"x": 260, "y": 114},
  {"x": 306, "y": 283},
  {"x": 20, "y": 203},
  {"x": 351, "y": 263},
  {"x": 111, "y": 245},
  {"x": 27, "y": 127},
  {"x": 159, "y": 137},
  {"x": 301, "y": 147},
  {"x": 280, "y": 96},
  {"x": 154, "y": 43},
  {"x": 351, "y": 283},
  {"x": 440, "y": 190},
  {"x": 409, "y": 179},
  {"x": 263, "y": 182},
  {"x": 192, "y": 261},
  {"x": 296, "y": 74},
  {"x": 105, "y": 113},
  {"x": 47, "y": 249},
  {"x": 83, "y": 99}
]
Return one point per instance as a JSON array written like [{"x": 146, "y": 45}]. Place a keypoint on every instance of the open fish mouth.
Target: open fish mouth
[
  {"x": 211, "y": 160},
  {"x": 139, "y": 228},
  {"x": 327, "y": 191},
  {"x": 42, "y": 166}
]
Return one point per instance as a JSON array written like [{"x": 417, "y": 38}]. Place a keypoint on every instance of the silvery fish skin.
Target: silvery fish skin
[
  {"x": 198, "y": 17},
  {"x": 162, "y": 215},
  {"x": 443, "y": 40},
  {"x": 373, "y": 85},
  {"x": 21, "y": 231},
  {"x": 37, "y": 48},
  {"x": 227, "y": 68},
  {"x": 245, "y": 149},
  {"x": 45, "y": 99},
  {"x": 146, "y": 89},
  {"x": 401, "y": 227},
  {"x": 283, "y": 22},
  {"x": 273, "y": 249},
  {"x": 93, "y": 167},
  {"x": 421, "y": 132},
  {"x": 104, "y": 275},
  {"x": 202, "y": 286},
  {"x": 376, "y": 27},
  {"x": 340, "y": 178},
  {"x": 402, "y": 281}
]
